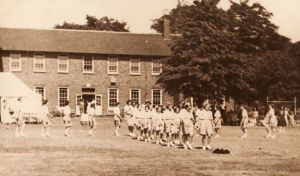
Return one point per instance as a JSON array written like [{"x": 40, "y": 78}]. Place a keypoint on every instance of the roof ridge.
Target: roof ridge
[{"x": 76, "y": 30}]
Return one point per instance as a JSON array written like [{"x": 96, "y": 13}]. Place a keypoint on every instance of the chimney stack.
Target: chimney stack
[{"x": 166, "y": 29}]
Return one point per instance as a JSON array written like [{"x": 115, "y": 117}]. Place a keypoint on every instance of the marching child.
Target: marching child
[
  {"x": 5, "y": 113},
  {"x": 67, "y": 118},
  {"x": 92, "y": 119},
  {"x": 169, "y": 124},
  {"x": 158, "y": 124},
  {"x": 188, "y": 126},
  {"x": 45, "y": 120},
  {"x": 117, "y": 119},
  {"x": 244, "y": 122},
  {"x": 176, "y": 129},
  {"x": 128, "y": 117},
  {"x": 19, "y": 118},
  {"x": 147, "y": 127},
  {"x": 217, "y": 121},
  {"x": 206, "y": 128}
]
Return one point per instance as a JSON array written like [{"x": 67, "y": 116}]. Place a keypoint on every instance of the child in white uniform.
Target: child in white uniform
[
  {"x": 92, "y": 119},
  {"x": 5, "y": 115},
  {"x": 128, "y": 117},
  {"x": 18, "y": 112},
  {"x": 187, "y": 119},
  {"x": 217, "y": 122},
  {"x": 206, "y": 128},
  {"x": 169, "y": 124},
  {"x": 67, "y": 118},
  {"x": 117, "y": 119},
  {"x": 244, "y": 122},
  {"x": 45, "y": 119},
  {"x": 158, "y": 124}
]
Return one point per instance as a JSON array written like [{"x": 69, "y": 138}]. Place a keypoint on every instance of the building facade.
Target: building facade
[{"x": 107, "y": 67}]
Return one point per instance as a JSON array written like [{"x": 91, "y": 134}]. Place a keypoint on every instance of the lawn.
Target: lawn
[{"x": 104, "y": 154}]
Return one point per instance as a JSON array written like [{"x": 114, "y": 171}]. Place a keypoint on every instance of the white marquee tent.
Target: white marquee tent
[{"x": 11, "y": 88}]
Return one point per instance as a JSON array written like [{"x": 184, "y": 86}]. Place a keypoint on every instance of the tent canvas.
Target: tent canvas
[{"x": 11, "y": 88}]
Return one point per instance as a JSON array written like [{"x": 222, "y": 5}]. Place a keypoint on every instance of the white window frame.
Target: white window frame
[
  {"x": 130, "y": 95},
  {"x": 161, "y": 96},
  {"x": 111, "y": 107},
  {"x": 109, "y": 58},
  {"x": 10, "y": 64},
  {"x": 152, "y": 66},
  {"x": 44, "y": 63},
  {"x": 58, "y": 63},
  {"x": 44, "y": 95},
  {"x": 130, "y": 64},
  {"x": 93, "y": 65},
  {"x": 68, "y": 95}
]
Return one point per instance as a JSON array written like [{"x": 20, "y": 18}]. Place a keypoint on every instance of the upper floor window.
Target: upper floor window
[
  {"x": 15, "y": 62},
  {"x": 63, "y": 64},
  {"x": 156, "y": 67},
  {"x": 88, "y": 64},
  {"x": 39, "y": 63},
  {"x": 113, "y": 65},
  {"x": 135, "y": 66}
]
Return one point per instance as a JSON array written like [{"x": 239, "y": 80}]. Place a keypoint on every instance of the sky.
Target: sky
[{"x": 44, "y": 14}]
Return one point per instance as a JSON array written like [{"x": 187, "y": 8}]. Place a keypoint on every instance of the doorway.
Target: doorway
[{"x": 89, "y": 95}]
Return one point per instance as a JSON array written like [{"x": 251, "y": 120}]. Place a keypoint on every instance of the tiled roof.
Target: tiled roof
[{"x": 77, "y": 41}]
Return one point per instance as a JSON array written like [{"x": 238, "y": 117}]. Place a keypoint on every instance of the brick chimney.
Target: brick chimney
[{"x": 166, "y": 29}]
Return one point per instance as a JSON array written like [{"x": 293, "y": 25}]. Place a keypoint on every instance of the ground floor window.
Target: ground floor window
[
  {"x": 113, "y": 97},
  {"x": 156, "y": 97},
  {"x": 135, "y": 95},
  {"x": 63, "y": 96},
  {"x": 41, "y": 90}
]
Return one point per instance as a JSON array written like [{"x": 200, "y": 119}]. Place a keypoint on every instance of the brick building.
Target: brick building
[{"x": 65, "y": 65}]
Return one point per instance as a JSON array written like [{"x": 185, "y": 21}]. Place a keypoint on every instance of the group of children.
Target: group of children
[
  {"x": 157, "y": 124},
  {"x": 171, "y": 124}
]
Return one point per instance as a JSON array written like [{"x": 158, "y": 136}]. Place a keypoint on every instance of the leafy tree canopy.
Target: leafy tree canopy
[
  {"x": 92, "y": 23},
  {"x": 236, "y": 53}
]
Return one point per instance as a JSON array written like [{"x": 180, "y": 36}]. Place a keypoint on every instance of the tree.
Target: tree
[
  {"x": 92, "y": 23},
  {"x": 236, "y": 53}
]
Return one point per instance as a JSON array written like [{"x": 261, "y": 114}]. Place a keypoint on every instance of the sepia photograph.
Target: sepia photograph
[{"x": 149, "y": 87}]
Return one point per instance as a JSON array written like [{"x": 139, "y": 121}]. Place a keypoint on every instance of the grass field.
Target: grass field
[{"x": 104, "y": 154}]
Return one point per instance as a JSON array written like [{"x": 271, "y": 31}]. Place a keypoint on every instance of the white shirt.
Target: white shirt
[
  {"x": 217, "y": 114},
  {"x": 207, "y": 115},
  {"x": 244, "y": 113},
  {"x": 127, "y": 109},
  {"x": 116, "y": 111}
]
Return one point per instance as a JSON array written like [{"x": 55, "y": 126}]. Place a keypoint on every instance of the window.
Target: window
[
  {"x": 63, "y": 64},
  {"x": 63, "y": 96},
  {"x": 156, "y": 97},
  {"x": 113, "y": 97},
  {"x": 41, "y": 90},
  {"x": 156, "y": 67},
  {"x": 39, "y": 63},
  {"x": 88, "y": 64},
  {"x": 15, "y": 62},
  {"x": 134, "y": 66},
  {"x": 113, "y": 66},
  {"x": 135, "y": 95}
]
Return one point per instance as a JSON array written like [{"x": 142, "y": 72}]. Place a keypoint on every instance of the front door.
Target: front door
[
  {"x": 78, "y": 98},
  {"x": 98, "y": 105}
]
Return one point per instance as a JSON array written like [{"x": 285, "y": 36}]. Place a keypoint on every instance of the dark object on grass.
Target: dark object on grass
[{"x": 221, "y": 151}]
